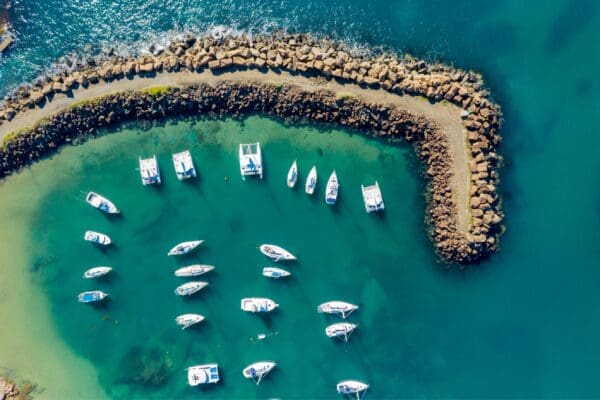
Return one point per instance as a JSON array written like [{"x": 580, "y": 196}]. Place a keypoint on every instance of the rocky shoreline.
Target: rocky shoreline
[
  {"x": 9, "y": 390},
  {"x": 298, "y": 54}
]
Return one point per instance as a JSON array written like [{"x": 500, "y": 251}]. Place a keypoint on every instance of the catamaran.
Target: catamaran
[
  {"x": 193, "y": 270},
  {"x": 341, "y": 329},
  {"x": 250, "y": 160},
  {"x": 258, "y": 370},
  {"x": 276, "y": 253},
  {"x": 187, "y": 320},
  {"x": 292, "y": 176},
  {"x": 337, "y": 307},
  {"x": 275, "y": 273},
  {"x": 184, "y": 165},
  {"x": 190, "y": 288},
  {"x": 96, "y": 272},
  {"x": 333, "y": 187},
  {"x": 184, "y": 247},
  {"x": 91, "y": 296},
  {"x": 372, "y": 197},
  {"x": 149, "y": 171},
  {"x": 101, "y": 203},
  {"x": 258, "y": 304},
  {"x": 203, "y": 374},
  {"x": 97, "y": 237},
  {"x": 352, "y": 387},
  {"x": 311, "y": 180}
]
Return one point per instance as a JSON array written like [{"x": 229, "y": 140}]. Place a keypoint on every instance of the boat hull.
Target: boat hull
[
  {"x": 190, "y": 288},
  {"x": 337, "y": 307},
  {"x": 97, "y": 238},
  {"x": 311, "y": 181},
  {"x": 351, "y": 387},
  {"x": 276, "y": 253},
  {"x": 91, "y": 296},
  {"x": 184, "y": 248},
  {"x": 187, "y": 320},
  {"x": 96, "y": 272},
  {"x": 275, "y": 273},
  {"x": 193, "y": 270},
  {"x": 258, "y": 370},
  {"x": 292, "y": 176},
  {"x": 258, "y": 305},
  {"x": 101, "y": 203}
]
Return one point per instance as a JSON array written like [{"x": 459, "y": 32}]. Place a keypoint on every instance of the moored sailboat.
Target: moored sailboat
[
  {"x": 96, "y": 272},
  {"x": 193, "y": 270},
  {"x": 341, "y": 329},
  {"x": 337, "y": 307},
  {"x": 258, "y": 370},
  {"x": 187, "y": 320},
  {"x": 101, "y": 203},
  {"x": 276, "y": 253},
  {"x": 311, "y": 180},
  {"x": 97, "y": 237},
  {"x": 352, "y": 387},
  {"x": 190, "y": 288},
  {"x": 292, "y": 176},
  {"x": 250, "y": 160},
  {"x": 275, "y": 273},
  {"x": 331, "y": 192},
  {"x": 184, "y": 247}
]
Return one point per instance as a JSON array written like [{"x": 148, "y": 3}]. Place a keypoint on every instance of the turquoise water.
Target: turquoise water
[{"x": 523, "y": 324}]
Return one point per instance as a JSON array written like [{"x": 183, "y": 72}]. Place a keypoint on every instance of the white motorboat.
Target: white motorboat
[
  {"x": 193, "y": 270},
  {"x": 276, "y": 253},
  {"x": 292, "y": 176},
  {"x": 250, "y": 160},
  {"x": 311, "y": 180},
  {"x": 187, "y": 320},
  {"x": 184, "y": 165},
  {"x": 203, "y": 374},
  {"x": 149, "y": 171},
  {"x": 337, "y": 307},
  {"x": 91, "y": 296},
  {"x": 258, "y": 304},
  {"x": 275, "y": 273},
  {"x": 372, "y": 197},
  {"x": 258, "y": 370},
  {"x": 184, "y": 247},
  {"x": 341, "y": 329},
  {"x": 352, "y": 387},
  {"x": 190, "y": 288},
  {"x": 97, "y": 237},
  {"x": 101, "y": 203},
  {"x": 96, "y": 272},
  {"x": 331, "y": 193}
]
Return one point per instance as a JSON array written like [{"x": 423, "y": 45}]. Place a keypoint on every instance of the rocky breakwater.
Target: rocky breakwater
[{"x": 299, "y": 55}]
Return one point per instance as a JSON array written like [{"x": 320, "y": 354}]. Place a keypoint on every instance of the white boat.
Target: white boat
[
  {"x": 91, "y": 296},
  {"x": 101, "y": 203},
  {"x": 275, "y": 273},
  {"x": 258, "y": 304},
  {"x": 184, "y": 247},
  {"x": 203, "y": 374},
  {"x": 352, "y": 387},
  {"x": 96, "y": 272},
  {"x": 193, "y": 270},
  {"x": 187, "y": 320},
  {"x": 97, "y": 237},
  {"x": 250, "y": 159},
  {"x": 337, "y": 307},
  {"x": 311, "y": 180},
  {"x": 258, "y": 370},
  {"x": 190, "y": 288},
  {"x": 149, "y": 171},
  {"x": 184, "y": 165},
  {"x": 372, "y": 197},
  {"x": 341, "y": 329},
  {"x": 331, "y": 193},
  {"x": 292, "y": 176},
  {"x": 276, "y": 253}
]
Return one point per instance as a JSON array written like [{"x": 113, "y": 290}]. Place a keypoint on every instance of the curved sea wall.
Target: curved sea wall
[{"x": 322, "y": 62}]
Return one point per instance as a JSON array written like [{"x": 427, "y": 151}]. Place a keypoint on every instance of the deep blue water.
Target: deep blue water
[{"x": 523, "y": 324}]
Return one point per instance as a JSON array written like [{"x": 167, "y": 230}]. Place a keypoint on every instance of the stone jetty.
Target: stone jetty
[{"x": 464, "y": 210}]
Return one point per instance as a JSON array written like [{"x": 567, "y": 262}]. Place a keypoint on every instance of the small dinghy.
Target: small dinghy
[
  {"x": 276, "y": 253},
  {"x": 341, "y": 329},
  {"x": 101, "y": 203},
  {"x": 352, "y": 387},
  {"x": 250, "y": 160},
  {"x": 372, "y": 197},
  {"x": 97, "y": 237},
  {"x": 184, "y": 165},
  {"x": 184, "y": 247},
  {"x": 203, "y": 374},
  {"x": 275, "y": 273},
  {"x": 193, "y": 270},
  {"x": 149, "y": 171},
  {"x": 292, "y": 176},
  {"x": 187, "y": 320},
  {"x": 311, "y": 180},
  {"x": 258, "y": 304},
  {"x": 91, "y": 296},
  {"x": 258, "y": 370},
  {"x": 96, "y": 272},
  {"x": 331, "y": 193},
  {"x": 190, "y": 288},
  {"x": 337, "y": 307}
]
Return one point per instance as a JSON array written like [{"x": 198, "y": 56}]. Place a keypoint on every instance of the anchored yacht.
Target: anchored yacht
[
  {"x": 331, "y": 193},
  {"x": 250, "y": 160},
  {"x": 341, "y": 329},
  {"x": 276, "y": 253},
  {"x": 337, "y": 307},
  {"x": 184, "y": 247},
  {"x": 258, "y": 370},
  {"x": 292, "y": 176},
  {"x": 258, "y": 304},
  {"x": 193, "y": 270},
  {"x": 190, "y": 288},
  {"x": 372, "y": 197},
  {"x": 91, "y": 296},
  {"x": 275, "y": 273},
  {"x": 187, "y": 320},
  {"x": 184, "y": 165},
  {"x": 96, "y": 272},
  {"x": 101, "y": 203},
  {"x": 149, "y": 171},
  {"x": 97, "y": 237},
  {"x": 203, "y": 374},
  {"x": 311, "y": 180},
  {"x": 352, "y": 387}
]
